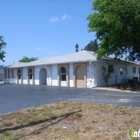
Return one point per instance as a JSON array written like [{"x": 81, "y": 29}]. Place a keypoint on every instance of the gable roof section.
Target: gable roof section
[{"x": 82, "y": 56}]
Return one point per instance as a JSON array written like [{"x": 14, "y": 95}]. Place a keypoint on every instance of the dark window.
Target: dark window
[
  {"x": 110, "y": 68},
  {"x": 139, "y": 70},
  {"x": 134, "y": 69},
  {"x": 63, "y": 77},
  {"x": 5, "y": 74},
  {"x": 63, "y": 74},
  {"x": 121, "y": 71},
  {"x": 30, "y": 73},
  {"x": 12, "y": 74},
  {"x": 19, "y": 74},
  {"x": 63, "y": 70},
  {"x": 8, "y": 73}
]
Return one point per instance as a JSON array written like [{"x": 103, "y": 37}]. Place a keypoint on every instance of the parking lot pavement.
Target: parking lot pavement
[{"x": 16, "y": 97}]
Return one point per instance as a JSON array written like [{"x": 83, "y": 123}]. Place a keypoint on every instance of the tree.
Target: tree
[
  {"x": 92, "y": 46},
  {"x": 2, "y": 52},
  {"x": 117, "y": 27},
  {"x": 76, "y": 47},
  {"x": 27, "y": 59}
]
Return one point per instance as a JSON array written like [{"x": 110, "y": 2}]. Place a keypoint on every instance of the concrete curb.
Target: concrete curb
[{"x": 118, "y": 90}]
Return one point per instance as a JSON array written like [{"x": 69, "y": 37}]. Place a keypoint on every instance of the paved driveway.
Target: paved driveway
[{"x": 16, "y": 97}]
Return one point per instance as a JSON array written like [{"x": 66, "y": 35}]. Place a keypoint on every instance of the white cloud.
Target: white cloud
[
  {"x": 37, "y": 48},
  {"x": 55, "y": 19},
  {"x": 65, "y": 16},
  {"x": 40, "y": 49}
]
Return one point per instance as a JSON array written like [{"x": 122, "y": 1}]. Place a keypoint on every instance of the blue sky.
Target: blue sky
[{"x": 43, "y": 28}]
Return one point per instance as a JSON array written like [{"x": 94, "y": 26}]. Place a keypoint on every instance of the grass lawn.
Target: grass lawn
[{"x": 70, "y": 121}]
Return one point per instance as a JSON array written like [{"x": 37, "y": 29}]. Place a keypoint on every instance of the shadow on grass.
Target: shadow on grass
[{"x": 62, "y": 117}]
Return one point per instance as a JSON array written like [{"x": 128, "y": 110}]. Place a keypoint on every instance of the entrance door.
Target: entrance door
[
  {"x": 79, "y": 77},
  {"x": 42, "y": 76},
  {"x": 63, "y": 79}
]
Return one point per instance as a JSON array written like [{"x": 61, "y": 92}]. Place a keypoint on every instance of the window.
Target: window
[
  {"x": 110, "y": 68},
  {"x": 63, "y": 74},
  {"x": 5, "y": 74},
  {"x": 12, "y": 74},
  {"x": 134, "y": 69},
  {"x": 30, "y": 74},
  {"x": 139, "y": 70},
  {"x": 19, "y": 74},
  {"x": 8, "y": 73},
  {"x": 121, "y": 71}
]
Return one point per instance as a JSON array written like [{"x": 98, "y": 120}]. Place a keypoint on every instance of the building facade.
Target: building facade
[
  {"x": 1, "y": 76},
  {"x": 80, "y": 69}
]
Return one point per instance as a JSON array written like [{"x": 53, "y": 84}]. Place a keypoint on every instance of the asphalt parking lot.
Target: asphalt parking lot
[{"x": 16, "y": 97}]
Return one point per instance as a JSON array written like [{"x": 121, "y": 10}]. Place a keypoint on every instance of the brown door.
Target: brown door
[{"x": 79, "y": 77}]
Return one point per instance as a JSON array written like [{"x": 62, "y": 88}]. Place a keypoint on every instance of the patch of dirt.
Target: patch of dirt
[
  {"x": 73, "y": 119},
  {"x": 70, "y": 121}
]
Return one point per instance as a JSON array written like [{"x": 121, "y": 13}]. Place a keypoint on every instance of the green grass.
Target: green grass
[
  {"x": 79, "y": 115},
  {"x": 94, "y": 121},
  {"x": 6, "y": 136},
  {"x": 2, "y": 125}
]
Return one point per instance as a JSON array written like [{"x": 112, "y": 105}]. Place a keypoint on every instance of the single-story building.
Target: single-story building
[
  {"x": 1, "y": 76},
  {"x": 79, "y": 69}
]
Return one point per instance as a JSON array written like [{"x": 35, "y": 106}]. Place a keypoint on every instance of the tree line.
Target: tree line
[{"x": 91, "y": 46}]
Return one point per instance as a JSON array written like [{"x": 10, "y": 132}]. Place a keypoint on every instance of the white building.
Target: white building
[
  {"x": 1, "y": 76},
  {"x": 80, "y": 69}
]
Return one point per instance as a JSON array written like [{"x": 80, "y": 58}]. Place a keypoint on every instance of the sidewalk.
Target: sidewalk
[{"x": 115, "y": 89}]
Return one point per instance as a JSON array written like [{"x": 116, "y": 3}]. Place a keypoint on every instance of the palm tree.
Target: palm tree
[{"x": 76, "y": 47}]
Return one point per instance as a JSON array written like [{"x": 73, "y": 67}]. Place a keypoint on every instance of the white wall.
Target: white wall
[
  {"x": 71, "y": 75},
  {"x": 100, "y": 78},
  {"x": 91, "y": 75},
  {"x": 36, "y": 74},
  {"x": 13, "y": 80},
  {"x": 6, "y": 77},
  {"x": 10, "y": 80},
  {"x": 126, "y": 72},
  {"x": 25, "y": 75},
  {"x": 129, "y": 73},
  {"x": 94, "y": 74},
  {"x": 49, "y": 75},
  {"x": 63, "y": 83},
  {"x": 135, "y": 74},
  {"x": 54, "y": 75},
  {"x": 116, "y": 77},
  {"x": 138, "y": 74},
  {"x": 37, "y": 71},
  {"x": 113, "y": 79},
  {"x": 1, "y": 76},
  {"x": 15, "y": 75}
]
